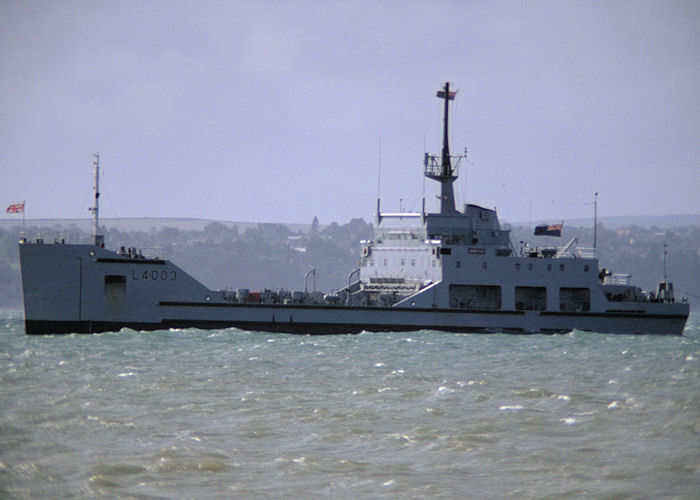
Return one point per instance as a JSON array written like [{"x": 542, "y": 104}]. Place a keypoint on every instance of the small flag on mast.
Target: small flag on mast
[
  {"x": 17, "y": 208},
  {"x": 551, "y": 230},
  {"x": 450, "y": 95}
]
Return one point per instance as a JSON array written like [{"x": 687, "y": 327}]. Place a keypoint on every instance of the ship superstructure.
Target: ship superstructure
[{"x": 455, "y": 270}]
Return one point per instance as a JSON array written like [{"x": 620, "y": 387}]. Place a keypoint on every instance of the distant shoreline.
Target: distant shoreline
[
  {"x": 148, "y": 224},
  {"x": 145, "y": 224}
]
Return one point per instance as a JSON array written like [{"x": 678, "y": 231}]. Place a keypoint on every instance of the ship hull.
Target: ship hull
[
  {"x": 324, "y": 324},
  {"x": 88, "y": 289}
]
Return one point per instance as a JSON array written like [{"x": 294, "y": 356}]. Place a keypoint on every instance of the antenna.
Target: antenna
[
  {"x": 422, "y": 210},
  {"x": 665, "y": 253},
  {"x": 595, "y": 221},
  {"x": 379, "y": 182},
  {"x": 379, "y": 169},
  {"x": 95, "y": 209}
]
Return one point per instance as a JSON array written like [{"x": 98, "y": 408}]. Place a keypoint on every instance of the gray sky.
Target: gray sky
[{"x": 275, "y": 111}]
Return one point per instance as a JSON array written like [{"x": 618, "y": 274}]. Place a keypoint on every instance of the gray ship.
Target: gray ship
[{"x": 455, "y": 271}]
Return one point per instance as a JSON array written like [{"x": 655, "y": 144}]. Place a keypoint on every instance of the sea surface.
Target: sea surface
[{"x": 235, "y": 414}]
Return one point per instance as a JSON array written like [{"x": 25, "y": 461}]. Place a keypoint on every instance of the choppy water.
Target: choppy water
[{"x": 227, "y": 413}]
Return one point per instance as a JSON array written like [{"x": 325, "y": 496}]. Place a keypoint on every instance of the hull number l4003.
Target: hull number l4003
[{"x": 154, "y": 275}]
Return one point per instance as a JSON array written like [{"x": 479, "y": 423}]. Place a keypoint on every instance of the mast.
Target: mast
[
  {"x": 595, "y": 222},
  {"x": 665, "y": 253},
  {"x": 447, "y": 96},
  {"x": 444, "y": 172},
  {"x": 95, "y": 209}
]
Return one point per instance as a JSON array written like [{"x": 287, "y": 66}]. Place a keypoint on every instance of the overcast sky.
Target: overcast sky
[{"x": 282, "y": 111}]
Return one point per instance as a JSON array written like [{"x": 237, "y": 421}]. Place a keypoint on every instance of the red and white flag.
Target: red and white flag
[
  {"x": 17, "y": 208},
  {"x": 551, "y": 230}
]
